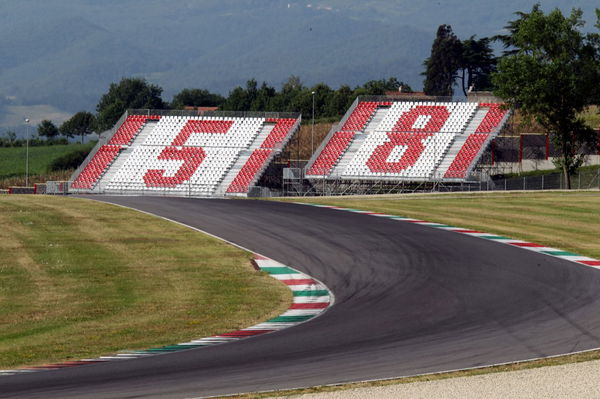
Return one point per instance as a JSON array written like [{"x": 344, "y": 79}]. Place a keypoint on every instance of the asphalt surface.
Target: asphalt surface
[{"x": 409, "y": 300}]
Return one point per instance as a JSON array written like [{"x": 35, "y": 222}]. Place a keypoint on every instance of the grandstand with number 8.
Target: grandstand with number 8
[{"x": 398, "y": 140}]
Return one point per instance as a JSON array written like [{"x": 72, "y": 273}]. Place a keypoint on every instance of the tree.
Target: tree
[
  {"x": 128, "y": 93},
  {"x": 47, "y": 129},
  {"x": 340, "y": 101},
  {"x": 477, "y": 62},
  {"x": 241, "y": 99},
  {"x": 196, "y": 98},
  {"x": 551, "y": 73},
  {"x": 263, "y": 99},
  {"x": 80, "y": 124},
  {"x": 379, "y": 87},
  {"x": 443, "y": 63}
]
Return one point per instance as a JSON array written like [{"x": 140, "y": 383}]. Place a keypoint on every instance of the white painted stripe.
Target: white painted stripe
[
  {"x": 214, "y": 339},
  {"x": 575, "y": 258},
  {"x": 540, "y": 249},
  {"x": 301, "y": 312},
  {"x": 268, "y": 263},
  {"x": 312, "y": 299},
  {"x": 295, "y": 276},
  {"x": 306, "y": 287},
  {"x": 270, "y": 325}
]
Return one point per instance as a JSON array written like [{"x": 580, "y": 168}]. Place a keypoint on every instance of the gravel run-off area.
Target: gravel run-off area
[{"x": 578, "y": 380}]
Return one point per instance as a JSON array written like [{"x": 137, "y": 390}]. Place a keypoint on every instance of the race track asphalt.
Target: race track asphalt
[{"x": 408, "y": 300}]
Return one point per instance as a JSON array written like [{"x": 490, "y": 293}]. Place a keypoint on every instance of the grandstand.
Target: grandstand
[
  {"x": 183, "y": 154},
  {"x": 393, "y": 140}
]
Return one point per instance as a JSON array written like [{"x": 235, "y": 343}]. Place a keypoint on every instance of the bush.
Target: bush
[{"x": 71, "y": 160}]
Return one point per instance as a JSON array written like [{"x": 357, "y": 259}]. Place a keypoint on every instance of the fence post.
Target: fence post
[
  {"x": 524, "y": 183},
  {"x": 579, "y": 183},
  {"x": 504, "y": 184},
  {"x": 542, "y": 182},
  {"x": 560, "y": 181}
]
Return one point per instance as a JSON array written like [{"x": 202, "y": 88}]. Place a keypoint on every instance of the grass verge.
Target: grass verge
[
  {"x": 80, "y": 279},
  {"x": 561, "y": 219}
]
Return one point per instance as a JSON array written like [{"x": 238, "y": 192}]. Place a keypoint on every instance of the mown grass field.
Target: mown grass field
[
  {"x": 80, "y": 279},
  {"x": 12, "y": 159}
]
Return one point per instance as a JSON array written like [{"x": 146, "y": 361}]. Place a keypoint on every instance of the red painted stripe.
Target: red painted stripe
[
  {"x": 416, "y": 221},
  {"x": 259, "y": 257},
  {"x": 245, "y": 333},
  {"x": 316, "y": 305},
  {"x": 468, "y": 231},
  {"x": 526, "y": 244},
  {"x": 47, "y": 366},
  {"x": 590, "y": 262},
  {"x": 375, "y": 213},
  {"x": 82, "y": 362},
  {"x": 299, "y": 281}
]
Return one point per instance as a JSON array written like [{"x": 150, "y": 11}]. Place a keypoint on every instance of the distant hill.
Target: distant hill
[{"x": 65, "y": 53}]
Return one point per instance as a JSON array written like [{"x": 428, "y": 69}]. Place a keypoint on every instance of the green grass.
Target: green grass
[
  {"x": 12, "y": 159},
  {"x": 565, "y": 220},
  {"x": 80, "y": 279}
]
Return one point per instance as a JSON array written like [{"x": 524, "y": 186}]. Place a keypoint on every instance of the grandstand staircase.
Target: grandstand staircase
[
  {"x": 124, "y": 154},
  {"x": 242, "y": 159},
  {"x": 145, "y": 132},
  {"x": 458, "y": 142},
  {"x": 358, "y": 140}
]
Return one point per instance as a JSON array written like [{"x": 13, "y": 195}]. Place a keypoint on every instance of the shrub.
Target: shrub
[{"x": 70, "y": 160}]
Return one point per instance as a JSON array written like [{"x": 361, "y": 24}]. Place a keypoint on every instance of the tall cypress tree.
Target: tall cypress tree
[
  {"x": 477, "y": 64},
  {"x": 443, "y": 63}
]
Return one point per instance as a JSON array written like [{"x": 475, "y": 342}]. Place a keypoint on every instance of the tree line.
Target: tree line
[{"x": 293, "y": 96}]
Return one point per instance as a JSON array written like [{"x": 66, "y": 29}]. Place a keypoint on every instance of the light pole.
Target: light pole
[
  {"x": 312, "y": 129},
  {"x": 27, "y": 153}
]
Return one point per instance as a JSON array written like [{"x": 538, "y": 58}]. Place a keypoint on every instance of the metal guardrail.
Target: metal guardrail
[
  {"x": 224, "y": 114},
  {"x": 421, "y": 98}
]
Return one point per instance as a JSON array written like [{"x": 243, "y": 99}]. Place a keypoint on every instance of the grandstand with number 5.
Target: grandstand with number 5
[{"x": 183, "y": 154}]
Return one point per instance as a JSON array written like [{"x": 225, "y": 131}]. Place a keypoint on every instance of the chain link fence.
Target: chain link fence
[{"x": 585, "y": 180}]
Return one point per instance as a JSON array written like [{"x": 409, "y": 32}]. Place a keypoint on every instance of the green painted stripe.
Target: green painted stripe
[
  {"x": 288, "y": 319},
  {"x": 438, "y": 225},
  {"x": 279, "y": 270},
  {"x": 311, "y": 293},
  {"x": 559, "y": 253},
  {"x": 164, "y": 349},
  {"x": 496, "y": 237}
]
